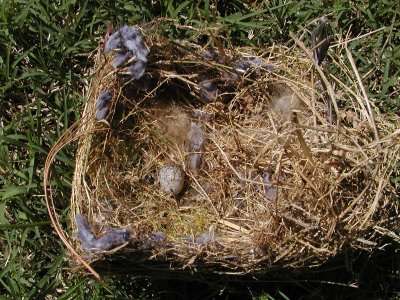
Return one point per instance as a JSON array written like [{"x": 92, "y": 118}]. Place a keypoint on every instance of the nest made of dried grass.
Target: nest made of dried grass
[{"x": 278, "y": 184}]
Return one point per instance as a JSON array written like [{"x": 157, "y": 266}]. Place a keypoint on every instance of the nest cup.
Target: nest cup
[{"x": 268, "y": 181}]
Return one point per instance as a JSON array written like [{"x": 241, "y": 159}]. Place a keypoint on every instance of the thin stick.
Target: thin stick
[
  {"x": 359, "y": 37},
  {"x": 205, "y": 194},
  {"x": 310, "y": 183},
  {"x": 372, "y": 208},
  {"x": 234, "y": 226},
  {"x": 66, "y": 138},
  {"x": 371, "y": 114},
  {"x": 321, "y": 73}
]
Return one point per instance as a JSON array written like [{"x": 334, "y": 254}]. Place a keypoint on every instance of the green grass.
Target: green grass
[{"x": 44, "y": 50}]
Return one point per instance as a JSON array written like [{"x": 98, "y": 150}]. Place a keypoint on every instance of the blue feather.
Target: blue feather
[{"x": 137, "y": 69}]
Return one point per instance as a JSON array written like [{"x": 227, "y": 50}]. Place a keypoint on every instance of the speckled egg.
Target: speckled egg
[{"x": 172, "y": 179}]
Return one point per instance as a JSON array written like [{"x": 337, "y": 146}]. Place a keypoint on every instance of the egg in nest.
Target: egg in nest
[{"x": 172, "y": 179}]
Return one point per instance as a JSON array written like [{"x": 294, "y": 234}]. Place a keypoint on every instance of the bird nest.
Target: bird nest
[{"x": 237, "y": 160}]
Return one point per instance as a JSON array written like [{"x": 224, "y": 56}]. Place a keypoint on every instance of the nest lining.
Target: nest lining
[{"x": 277, "y": 183}]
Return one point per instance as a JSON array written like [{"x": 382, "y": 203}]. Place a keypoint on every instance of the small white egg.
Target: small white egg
[{"x": 172, "y": 179}]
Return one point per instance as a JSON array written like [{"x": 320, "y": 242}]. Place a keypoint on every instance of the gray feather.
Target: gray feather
[
  {"x": 320, "y": 41},
  {"x": 114, "y": 42},
  {"x": 137, "y": 69}
]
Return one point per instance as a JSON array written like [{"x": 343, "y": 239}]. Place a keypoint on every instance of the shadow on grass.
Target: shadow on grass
[{"x": 350, "y": 276}]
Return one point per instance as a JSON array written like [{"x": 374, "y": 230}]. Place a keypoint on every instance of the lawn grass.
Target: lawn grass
[{"x": 44, "y": 51}]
